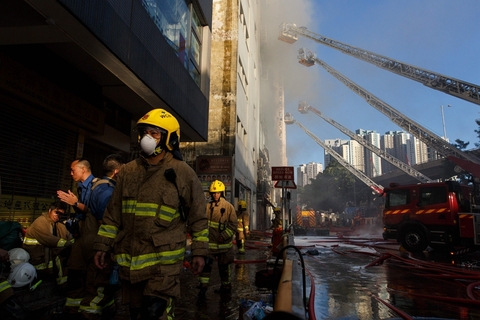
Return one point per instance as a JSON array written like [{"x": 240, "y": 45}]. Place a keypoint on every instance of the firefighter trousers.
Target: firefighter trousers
[
  {"x": 224, "y": 260},
  {"x": 99, "y": 294}
]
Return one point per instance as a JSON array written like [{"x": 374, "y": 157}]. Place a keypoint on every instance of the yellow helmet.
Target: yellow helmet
[
  {"x": 167, "y": 124},
  {"x": 276, "y": 209},
  {"x": 242, "y": 204},
  {"x": 217, "y": 186}
]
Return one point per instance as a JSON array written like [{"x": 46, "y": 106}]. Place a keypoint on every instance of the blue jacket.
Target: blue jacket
[{"x": 100, "y": 197}]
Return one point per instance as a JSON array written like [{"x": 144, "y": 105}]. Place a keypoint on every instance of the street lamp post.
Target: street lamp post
[{"x": 443, "y": 123}]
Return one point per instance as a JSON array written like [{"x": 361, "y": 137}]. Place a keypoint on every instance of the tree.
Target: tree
[
  {"x": 477, "y": 144},
  {"x": 460, "y": 144},
  {"x": 333, "y": 189}
]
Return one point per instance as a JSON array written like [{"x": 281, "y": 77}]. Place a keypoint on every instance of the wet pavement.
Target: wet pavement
[
  {"x": 365, "y": 277},
  {"x": 355, "y": 275}
]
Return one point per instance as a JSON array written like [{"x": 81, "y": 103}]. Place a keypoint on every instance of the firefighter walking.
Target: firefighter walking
[
  {"x": 243, "y": 231},
  {"x": 222, "y": 222},
  {"x": 157, "y": 200}
]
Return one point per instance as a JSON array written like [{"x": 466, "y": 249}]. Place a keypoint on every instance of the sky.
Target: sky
[{"x": 436, "y": 35}]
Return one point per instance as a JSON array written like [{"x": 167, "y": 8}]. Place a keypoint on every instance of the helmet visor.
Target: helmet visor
[{"x": 153, "y": 131}]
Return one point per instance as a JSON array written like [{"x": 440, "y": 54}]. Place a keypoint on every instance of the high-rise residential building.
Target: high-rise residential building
[
  {"x": 301, "y": 175},
  {"x": 402, "y": 149},
  {"x": 409, "y": 149},
  {"x": 307, "y": 172},
  {"x": 387, "y": 144},
  {"x": 399, "y": 144},
  {"x": 312, "y": 170},
  {"x": 354, "y": 153},
  {"x": 421, "y": 151},
  {"x": 350, "y": 150},
  {"x": 336, "y": 145},
  {"x": 373, "y": 164}
]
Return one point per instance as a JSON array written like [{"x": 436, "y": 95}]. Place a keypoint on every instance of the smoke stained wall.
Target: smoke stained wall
[{"x": 284, "y": 81}]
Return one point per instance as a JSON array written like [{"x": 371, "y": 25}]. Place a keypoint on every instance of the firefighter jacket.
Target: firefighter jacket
[
  {"x": 222, "y": 225},
  {"x": 243, "y": 224},
  {"x": 41, "y": 243},
  {"x": 142, "y": 221},
  {"x": 6, "y": 290}
]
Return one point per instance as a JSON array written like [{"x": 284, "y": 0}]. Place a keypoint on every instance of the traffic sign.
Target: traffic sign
[
  {"x": 287, "y": 184},
  {"x": 282, "y": 173}
]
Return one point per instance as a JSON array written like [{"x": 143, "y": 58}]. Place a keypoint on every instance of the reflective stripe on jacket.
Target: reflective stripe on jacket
[
  {"x": 142, "y": 222},
  {"x": 42, "y": 245},
  {"x": 222, "y": 227}
]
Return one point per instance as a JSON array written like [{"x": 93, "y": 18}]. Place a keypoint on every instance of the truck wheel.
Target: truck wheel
[{"x": 414, "y": 239}]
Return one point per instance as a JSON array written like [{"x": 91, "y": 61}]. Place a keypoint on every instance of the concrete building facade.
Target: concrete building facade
[{"x": 237, "y": 136}]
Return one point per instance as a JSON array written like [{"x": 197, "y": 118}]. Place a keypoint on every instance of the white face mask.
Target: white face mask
[{"x": 148, "y": 144}]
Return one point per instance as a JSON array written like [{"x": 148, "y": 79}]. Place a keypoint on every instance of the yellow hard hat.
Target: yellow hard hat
[
  {"x": 242, "y": 204},
  {"x": 166, "y": 123},
  {"x": 217, "y": 186}
]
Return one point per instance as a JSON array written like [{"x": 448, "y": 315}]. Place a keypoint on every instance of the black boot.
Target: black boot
[
  {"x": 203, "y": 291},
  {"x": 224, "y": 289},
  {"x": 152, "y": 308},
  {"x": 134, "y": 312},
  {"x": 14, "y": 308}
]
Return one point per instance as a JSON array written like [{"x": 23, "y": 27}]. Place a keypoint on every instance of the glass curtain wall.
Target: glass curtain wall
[{"x": 181, "y": 27}]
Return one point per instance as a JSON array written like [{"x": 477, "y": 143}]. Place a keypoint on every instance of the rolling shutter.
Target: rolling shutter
[{"x": 35, "y": 157}]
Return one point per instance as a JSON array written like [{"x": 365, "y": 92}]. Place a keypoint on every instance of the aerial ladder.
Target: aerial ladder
[
  {"x": 303, "y": 107},
  {"x": 288, "y": 119},
  {"x": 455, "y": 87},
  {"x": 443, "y": 147}
]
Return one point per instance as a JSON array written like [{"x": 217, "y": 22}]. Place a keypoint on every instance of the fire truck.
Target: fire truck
[{"x": 440, "y": 215}]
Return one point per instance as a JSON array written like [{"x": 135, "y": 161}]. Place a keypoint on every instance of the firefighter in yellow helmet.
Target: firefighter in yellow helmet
[
  {"x": 222, "y": 221},
  {"x": 157, "y": 200},
  {"x": 243, "y": 226}
]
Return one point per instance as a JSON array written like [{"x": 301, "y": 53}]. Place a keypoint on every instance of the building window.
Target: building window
[
  {"x": 182, "y": 29},
  {"x": 195, "y": 46},
  {"x": 242, "y": 75}
]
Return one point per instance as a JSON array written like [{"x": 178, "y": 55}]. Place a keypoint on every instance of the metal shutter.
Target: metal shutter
[{"x": 35, "y": 157}]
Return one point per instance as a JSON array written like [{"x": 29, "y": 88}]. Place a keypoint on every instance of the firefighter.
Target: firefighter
[
  {"x": 277, "y": 220},
  {"x": 157, "y": 200},
  {"x": 222, "y": 221},
  {"x": 243, "y": 230},
  {"x": 48, "y": 242}
]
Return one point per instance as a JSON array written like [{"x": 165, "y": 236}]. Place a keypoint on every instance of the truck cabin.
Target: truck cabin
[{"x": 429, "y": 194}]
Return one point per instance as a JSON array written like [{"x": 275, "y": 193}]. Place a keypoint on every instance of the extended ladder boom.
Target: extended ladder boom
[
  {"x": 303, "y": 107},
  {"x": 429, "y": 138},
  {"x": 360, "y": 175},
  {"x": 455, "y": 87}
]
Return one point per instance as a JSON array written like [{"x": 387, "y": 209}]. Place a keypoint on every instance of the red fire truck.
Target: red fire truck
[{"x": 440, "y": 215}]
